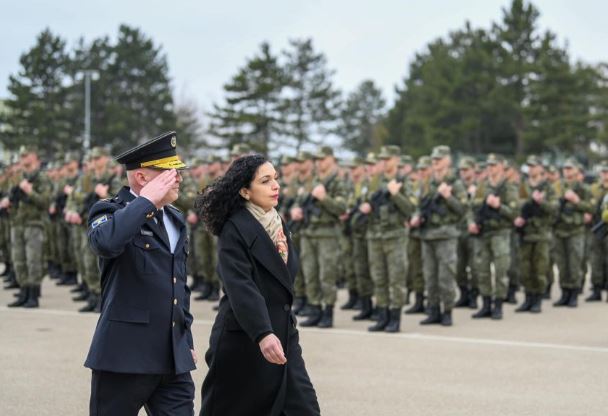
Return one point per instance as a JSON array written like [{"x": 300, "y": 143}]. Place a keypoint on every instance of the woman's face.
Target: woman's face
[{"x": 264, "y": 189}]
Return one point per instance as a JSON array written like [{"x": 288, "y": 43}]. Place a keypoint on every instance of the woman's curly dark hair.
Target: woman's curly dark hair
[{"x": 219, "y": 200}]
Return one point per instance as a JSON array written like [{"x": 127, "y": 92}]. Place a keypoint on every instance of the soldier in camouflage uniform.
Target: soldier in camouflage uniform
[
  {"x": 599, "y": 245},
  {"x": 575, "y": 200},
  {"x": 321, "y": 209},
  {"x": 440, "y": 213},
  {"x": 493, "y": 209},
  {"x": 357, "y": 226},
  {"x": 14, "y": 175},
  {"x": 5, "y": 230},
  {"x": 29, "y": 205},
  {"x": 466, "y": 274},
  {"x": 101, "y": 180},
  {"x": 388, "y": 205},
  {"x": 554, "y": 179},
  {"x": 534, "y": 226},
  {"x": 346, "y": 238},
  {"x": 67, "y": 252},
  {"x": 415, "y": 276},
  {"x": 53, "y": 256},
  {"x": 514, "y": 273},
  {"x": 300, "y": 186}
]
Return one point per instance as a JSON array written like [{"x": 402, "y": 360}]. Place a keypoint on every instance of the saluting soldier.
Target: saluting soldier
[
  {"x": 439, "y": 215},
  {"x": 494, "y": 207},
  {"x": 142, "y": 350}
]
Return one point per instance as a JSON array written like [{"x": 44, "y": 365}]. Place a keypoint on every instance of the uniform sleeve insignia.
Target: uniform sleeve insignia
[{"x": 99, "y": 221}]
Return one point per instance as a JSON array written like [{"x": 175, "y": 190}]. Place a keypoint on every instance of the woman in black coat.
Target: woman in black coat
[{"x": 254, "y": 357}]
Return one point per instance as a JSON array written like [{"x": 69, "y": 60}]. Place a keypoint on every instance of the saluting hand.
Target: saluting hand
[
  {"x": 319, "y": 192},
  {"x": 394, "y": 187},
  {"x": 272, "y": 350},
  {"x": 26, "y": 186},
  {"x": 157, "y": 189}
]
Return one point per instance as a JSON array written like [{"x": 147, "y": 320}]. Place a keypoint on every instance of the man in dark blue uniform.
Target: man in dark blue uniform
[{"x": 142, "y": 351}]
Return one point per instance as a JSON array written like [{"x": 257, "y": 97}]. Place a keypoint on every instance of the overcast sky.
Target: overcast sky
[{"x": 206, "y": 41}]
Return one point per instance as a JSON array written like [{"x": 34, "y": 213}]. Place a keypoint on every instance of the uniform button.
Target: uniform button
[
  {"x": 286, "y": 308},
  {"x": 175, "y": 301},
  {"x": 147, "y": 245},
  {"x": 150, "y": 215},
  {"x": 173, "y": 323},
  {"x": 174, "y": 280}
]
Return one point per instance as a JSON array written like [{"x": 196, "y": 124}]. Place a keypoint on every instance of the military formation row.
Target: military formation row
[{"x": 390, "y": 227}]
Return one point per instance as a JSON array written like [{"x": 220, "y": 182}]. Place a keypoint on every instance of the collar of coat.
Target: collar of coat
[{"x": 262, "y": 248}]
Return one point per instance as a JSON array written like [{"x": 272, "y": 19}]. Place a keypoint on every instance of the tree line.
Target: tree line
[{"x": 509, "y": 88}]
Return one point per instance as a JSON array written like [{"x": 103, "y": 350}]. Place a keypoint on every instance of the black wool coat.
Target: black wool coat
[
  {"x": 258, "y": 288},
  {"x": 145, "y": 322}
]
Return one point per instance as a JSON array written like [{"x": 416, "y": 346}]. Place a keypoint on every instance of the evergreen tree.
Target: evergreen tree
[
  {"x": 311, "y": 104},
  {"x": 361, "y": 113},
  {"x": 36, "y": 108},
  {"x": 251, "y": 111}
]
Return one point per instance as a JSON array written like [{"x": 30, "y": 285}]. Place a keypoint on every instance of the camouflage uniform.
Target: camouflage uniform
[
  {"x": 440, "y": 232},
  {"x": 599, "y": 244}
]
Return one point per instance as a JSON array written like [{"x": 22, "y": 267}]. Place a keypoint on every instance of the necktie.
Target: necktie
[{"x": 161, "y": 224}]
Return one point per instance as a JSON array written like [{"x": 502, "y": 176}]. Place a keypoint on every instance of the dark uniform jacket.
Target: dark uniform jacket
[
  {"x": 259, "y": 293},
  {"x": 145, "y": 322}
]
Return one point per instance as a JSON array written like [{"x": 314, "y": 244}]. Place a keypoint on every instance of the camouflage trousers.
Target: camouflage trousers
[
  {"x": 5, "y": 238},
  {"x": 388, "y": 265},
  {"x": 466, "y": 274},
  {"x": 569, "y": 258},
  {"x": 65, "y": 246},
  {"x": 415, "y": 276},
  {"x": 534, "y": 266},
  {"x": 365, "y": 285},
  {"x": 493, "y": 248},
  {"x": 203, "y": 256},
  {"x": 439, "y": 266},
  {"x": 299, "y": 285},
  {"x": 91, "y": 276},
  {"x": 27, "y": 244},
  {"x": 552, "y": 262},
  {"x": 514, "y": 271},
  {"x": 76, "y": 242},
  {"x": 319, "y": 260},
  {"x": 49, "y": 246},
  {"x": 599, "y": 263},
  {"x": 586, "y": 261},
  {"x": 347, "y": 270}
]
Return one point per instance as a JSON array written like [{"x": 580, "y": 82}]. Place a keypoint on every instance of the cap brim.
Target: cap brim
[{"x": 174, "y": 164}]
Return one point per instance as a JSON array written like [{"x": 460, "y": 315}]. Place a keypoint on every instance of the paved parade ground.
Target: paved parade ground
[{"x": 551, "y": 364}]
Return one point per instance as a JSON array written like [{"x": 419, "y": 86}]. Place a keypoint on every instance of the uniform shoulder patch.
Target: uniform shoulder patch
[{"x": 98, "y": 221}]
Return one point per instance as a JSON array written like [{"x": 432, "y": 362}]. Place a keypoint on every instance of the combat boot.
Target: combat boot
[
  {"x": 91, "y": 304},
  {"x": 497, "y": 309},
  {"x": 434, "y": 316},
  {"x": 446, "y": 318},
  {"x": 68, "y": 279},
  {"x": 12, "y": 283},
  {"x": 573, "y": 300},
  {"x": 24, "y": 293},
  {"x": 314, "y": 317},
  {"x": 547, "y": 294},
  {"x": 536, "y": 303},
  {"x": 366, "y": 309},
  {"x": 358, "y": 304},
  {"x": 205, "y": 291},
  {"x": 394, "y": 322},
  {"x": 596, "y": 295},
  {"x": 82, "y": 287},
  {"x": 352, "y": 299},
  {"x": 527, "y": 304},
  {"x": 418, "y": 306},
  {"x": 473, "y": 295},
  {"x": 382, "y": 322},
  {"x": 214, "y": 296},
  {"x": 564, "y": 299},
  {"x": 298, "y": 303},
  {"x": 306, "y": 310},
  {"x": 463, "y": 300},
  {"x": 486, "y": 309},
  {"x": 84, "y": 295},
  {"x": 511, "y": 295},
  {"x": 32, "y": 299},
  {"x": 327, "y": 318}
]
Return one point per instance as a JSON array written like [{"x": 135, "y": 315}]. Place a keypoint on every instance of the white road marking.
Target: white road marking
[{"x": 352, "y": 332}]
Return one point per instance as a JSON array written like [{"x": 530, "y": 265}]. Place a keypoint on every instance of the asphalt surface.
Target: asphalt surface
[{"x": 555, "y": 363}]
